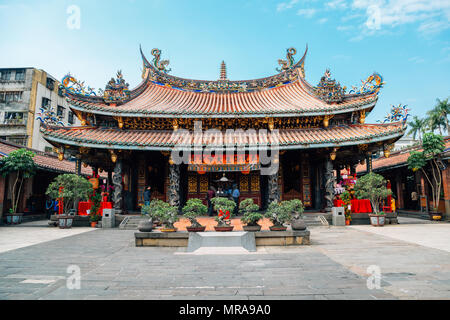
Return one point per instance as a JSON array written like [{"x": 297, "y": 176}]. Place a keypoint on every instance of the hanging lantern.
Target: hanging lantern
[
  {"x": 171, "y": 162},
  {"x": 201, "y": 172},
  {"x": 333, "y": 154},
  {"x": 113, "y": 157}
]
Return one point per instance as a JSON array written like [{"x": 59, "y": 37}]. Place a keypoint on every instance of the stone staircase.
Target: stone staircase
[
  {"x": 131, "y": 222},
  {"x": 312, "y": 219}
]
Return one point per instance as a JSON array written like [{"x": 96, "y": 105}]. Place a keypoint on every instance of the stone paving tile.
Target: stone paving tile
[{"x": 334, "y": 267}]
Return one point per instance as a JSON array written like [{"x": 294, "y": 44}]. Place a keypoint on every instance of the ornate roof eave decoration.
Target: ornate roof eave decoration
[
  {"x": 52, "y": 134},
  {"x": 329, "y": 90},
  {"x": 116, "y": 90},
  {"x": 158, "y": 75}
]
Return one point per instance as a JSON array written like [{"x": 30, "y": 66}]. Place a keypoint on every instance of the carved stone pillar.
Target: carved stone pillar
[
  {"x": 117, "y": 182},
  {"x": 329, "y": 185},
  {"x": 174, "y": 185},
  {"x": 274, "y": 190},
  {"x": 369, "y": 162}
]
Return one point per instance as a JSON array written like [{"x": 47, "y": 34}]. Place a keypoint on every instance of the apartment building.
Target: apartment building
[{"x": 23, "y": 92}]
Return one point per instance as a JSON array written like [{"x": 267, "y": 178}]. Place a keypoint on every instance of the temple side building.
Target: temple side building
[{"x": 140, "y": 135}]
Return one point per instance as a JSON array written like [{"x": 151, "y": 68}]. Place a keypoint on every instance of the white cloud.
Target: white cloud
[
  {"x": 323, "y": 20},
  {"x": 336, "y": 4},
  {"x": 308, "y": 13},
  {"x": 416, "y": 60},
  {"x": 392, "y": 13},
  {"x": 286, "y": 5}
]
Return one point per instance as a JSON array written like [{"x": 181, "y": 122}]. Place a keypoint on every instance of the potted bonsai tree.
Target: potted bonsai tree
[
  {"x": 225, "y": 208},
  {"x": 296, "y": 208},
  {"x": 251, "y": 216},
  {"x": 194, "y": 208},
  {"x": 428, "y": 161},
  {"x": 168, "y": 217},
  {"x": 372, "y": 186},
  {"x": 155, "y": 210},
  {"x": 18, "y": 165},
  {"x": 279, "y": 214},
  {"x": 70, "y": 188}
]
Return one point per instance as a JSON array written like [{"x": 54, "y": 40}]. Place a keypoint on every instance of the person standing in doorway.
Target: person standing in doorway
[
  {"x": 209, "y": 195},
  {"x": 236, "y": 195},
  {"x": 147, "y": 195}
]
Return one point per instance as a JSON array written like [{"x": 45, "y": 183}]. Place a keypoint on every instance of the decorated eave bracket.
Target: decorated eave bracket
[{"x": 116, "y": 91}]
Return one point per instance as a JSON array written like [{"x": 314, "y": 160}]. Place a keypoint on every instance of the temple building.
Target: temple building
[{"x": 224, "y": 131}]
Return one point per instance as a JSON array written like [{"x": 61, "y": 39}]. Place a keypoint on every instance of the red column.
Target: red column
[
  {"x": 2, "y": 196},
  {"x": 400, "y": 202},
  {"x": 446, "y": 187}
]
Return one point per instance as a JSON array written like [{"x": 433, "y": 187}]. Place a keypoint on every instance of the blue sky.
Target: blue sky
[{"x": 407, "y": 41}]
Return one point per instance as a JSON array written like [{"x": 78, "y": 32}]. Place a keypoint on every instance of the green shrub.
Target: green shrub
[
  {"x": 283, "y": 212},
  {"x": 250, "y": 211}
]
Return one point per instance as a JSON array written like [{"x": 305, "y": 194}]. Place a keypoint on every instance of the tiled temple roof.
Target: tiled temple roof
[
  {"x": 165, "y": 140},
  {"x": 286, "y": 100},
  {"x": 396, "y": 159},
  {"x": 162, "y": 95},
  {"x": 44, "y": 160}
]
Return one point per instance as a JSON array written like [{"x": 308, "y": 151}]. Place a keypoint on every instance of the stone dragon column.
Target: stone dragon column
[
  {"x": 274, "y": 190},
  {"x": 117, "y": 182},
  {"x": 174, "y": 185},
  {"x": 329, "y": 185}
]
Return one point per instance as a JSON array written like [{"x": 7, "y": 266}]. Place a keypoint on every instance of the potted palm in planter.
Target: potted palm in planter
[
  {"x": 18, "y": 165},
  {"x": 279, "y": 214},
  {"x": 69, "y": 189},
  {"x": 251, "y": 216},
  {"x": 225, "y": 208},
  {"x": 430, "y": 164},
  {"x": 372, "y": 186},
  {"x": 194, "y": 208}
]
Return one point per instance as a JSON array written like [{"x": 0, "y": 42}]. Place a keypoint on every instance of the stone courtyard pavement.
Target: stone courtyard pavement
[{"x": 414, "y": 260}]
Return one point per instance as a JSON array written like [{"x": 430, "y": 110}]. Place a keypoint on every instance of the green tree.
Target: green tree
[
  {"x": 19, "y": 162},
  {"x": 250, "y": 210},
  {"x": 194, "y": 208},
  {"x": 417, "y": 127},
  {"x": 442, "y": 109},
  {"x": 74, "y": 188},
  {"x": 372, "y": 186},
  {"x": 433, "y": 145}
]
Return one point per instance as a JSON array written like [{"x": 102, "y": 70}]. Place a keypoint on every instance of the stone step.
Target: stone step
[{"x": 211, "y": 241}]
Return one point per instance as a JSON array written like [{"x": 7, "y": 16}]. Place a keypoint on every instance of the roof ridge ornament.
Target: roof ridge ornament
[
  {"x": 289, "y": 62},
  {"x": 329, "y": 90},
  {"x": 72, "y": 85},
  {"x": 371, "y": 85},
  {"x": 223, "y": 71},
  {"x": 396, "y": 114},
  {"x": 116, "y": 90},
  {"x": 160, "y": 65}
]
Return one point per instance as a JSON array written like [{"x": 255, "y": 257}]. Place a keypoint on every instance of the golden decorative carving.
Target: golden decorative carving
[
  {"x": 326, "y": 120},
  {"x": 362, "y": 116},
  {"x": 244, "y": 183},
  {"x": 363, "y": 147},
  {"x": 254, "y": 182}
]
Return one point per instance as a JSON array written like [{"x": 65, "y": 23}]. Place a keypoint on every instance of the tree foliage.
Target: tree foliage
[
  {"x": 194, "y": 208},
  {"x": 427, "y": 161},
  {"x": 250, "y": 212},
  {"x": 283, "y": 212},
  {"x": 372, "y": 186},
  {"x": 19, "y": 162},
  {"x": 74, "y": 188},
  {"x": 162, "y": 211}
]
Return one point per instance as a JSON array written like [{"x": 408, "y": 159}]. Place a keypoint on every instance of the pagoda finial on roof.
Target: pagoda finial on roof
[{"x": 223, "y": 71}]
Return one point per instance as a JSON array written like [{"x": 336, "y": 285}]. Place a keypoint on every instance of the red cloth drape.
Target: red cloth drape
[
  {"x": 358, "y": 206},
  {"x": 86, "y": 205}
]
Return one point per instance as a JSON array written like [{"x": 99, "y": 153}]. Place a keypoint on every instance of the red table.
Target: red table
[
  {"x": 358, "y": 206},
  {"x": 84, "y": 206}
]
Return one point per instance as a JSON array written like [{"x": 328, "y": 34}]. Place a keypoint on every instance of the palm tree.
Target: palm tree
[
  {"x": 442, "y": 109},
  {"x": 435, "y": 120},
  {"x": 417, "y": 126}
]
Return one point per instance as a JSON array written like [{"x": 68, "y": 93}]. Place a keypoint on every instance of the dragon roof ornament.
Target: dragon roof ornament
[
  {"x": 157, "y": 74},
  {"x": 289, "y": 62},
  {"x": 396, "y": 114},
  {"x": 72, "y": 85},
  {"x": 49, "y": 116},
  {"x": 371, "y": 85}
]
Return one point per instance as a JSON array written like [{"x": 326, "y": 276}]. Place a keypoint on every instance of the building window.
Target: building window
[
  {"x": 70, "y": 119},
  {"x": 10, "y": 96},
  {"x": 5, "y": 75},
  {"x": 46, "y": 103},
  {"x": 20, "y": 74},
  {"x": 50, "y": 84},
  {"x": 60, "y": 111},
  {"x": 18, "y": 140},
  {"x": 14, "y": 118}
]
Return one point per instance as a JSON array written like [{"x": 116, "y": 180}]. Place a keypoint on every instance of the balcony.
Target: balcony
[{"x": 14, "y": 122}]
